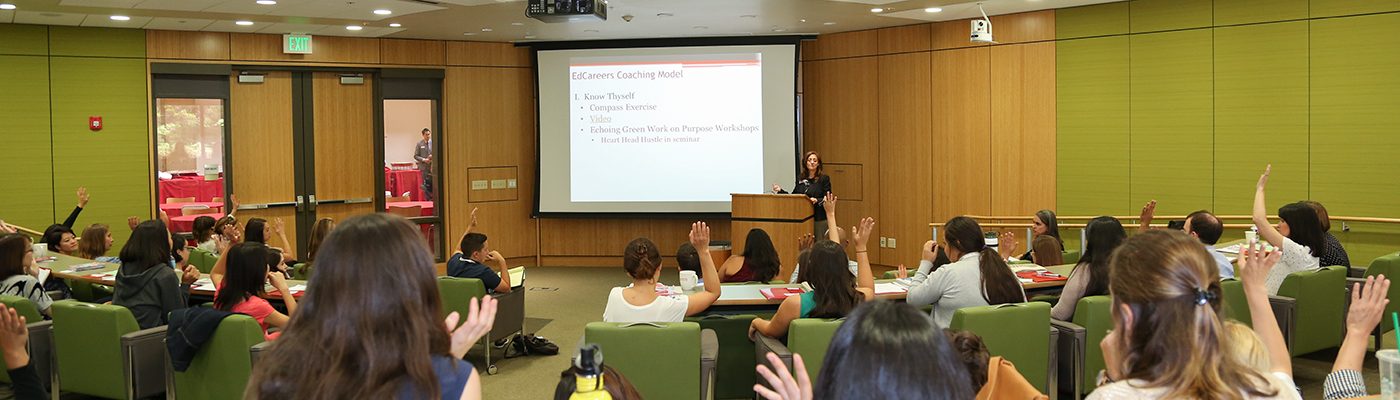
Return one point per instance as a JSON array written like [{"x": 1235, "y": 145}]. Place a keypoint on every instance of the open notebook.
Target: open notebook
[{"x": 517, "y": 276}]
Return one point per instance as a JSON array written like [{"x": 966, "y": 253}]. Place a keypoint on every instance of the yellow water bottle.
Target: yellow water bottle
[{"x": 589, "y": 383}]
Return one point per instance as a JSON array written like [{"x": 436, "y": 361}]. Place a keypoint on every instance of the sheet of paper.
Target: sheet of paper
[{"x": 889, "y": 288}]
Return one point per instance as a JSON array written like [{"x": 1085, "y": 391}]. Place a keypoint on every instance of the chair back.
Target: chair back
[
  {"x": 300, "y": 271},
  {"x": 88, "y": 292},
  {"x": 24, "y": 308},
  {"x": 1236, "y": 306},
  {"x": 1387, "y": 265},
  {"x": 221, "y": 368},
  {"x": 810, "y": 337},
  {"x": 87, "y": 343},
  {"x": 662, "y": 360},
  {"x": 194, "y": 211},
  {"x": 1321, "y": 296},
  {"x": 1095, "y": 314},
  {"x": 407, "y": 212},
  {"x": 396, "y": 199},
  {"x": 1071, "y": 256},
  {"x": 457, "y": 293},
  {"x": 735, "y": 354},
  {"x": 1018, "y": 332},
  {"x": 203, "y": 260},
  {"x": 216, "y": 200},
  {"x": 172, "y": 200}
]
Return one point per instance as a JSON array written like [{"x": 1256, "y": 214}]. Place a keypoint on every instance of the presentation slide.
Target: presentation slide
[{"x": 664, "y": 129}]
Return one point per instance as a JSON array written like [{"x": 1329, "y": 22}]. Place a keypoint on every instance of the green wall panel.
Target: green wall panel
[
  {"x": 1334, "y": 8},
  {"x": 96, "y": 42},
  {"x": 113, "y": 163},
  {"x": 1095, "y": 20},
  {"x": 1355, "y": 98},
  {"x": 24, "y": 136},
  {"x": 1165, "y": 15},
  {"x": 1261, "y": 114},
  {"x": 24, "y": 39},
  {"x": 1170, "y": 137},
  {"x": 1092, "y": 126},
  {"x": 1233, "y": 12}
]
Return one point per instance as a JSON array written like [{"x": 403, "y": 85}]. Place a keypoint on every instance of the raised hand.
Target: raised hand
[
  {"x": 480, "y": 317},
  {"x": 806, "y": 241},
  {"x": 131, "y": 222},
  {"x": 221, "y": 243},
  {"x": 163, "y": 218},
  {"x": 700, "y": 236},
  {"x": 473, "y": 224},
  {"x": 1264, "y": 179},
  {"x": 829, "y": 204},
  {"x": 862, "y": 234},
  {"x": 1368, "y": 304},
  {"x": 1148, "y": 211},
  {"x": 784, "y": 386},
  {"x": 278, "y": 226},
  {"x": 1006, "y": 244},
  {"x": 902, "y": 273},
  {"x": 13, "y": 337},
  {"x": 1255, "y": 265},
  {"x": 83, "y": 197},
  {"x": 233, "y": 204}
]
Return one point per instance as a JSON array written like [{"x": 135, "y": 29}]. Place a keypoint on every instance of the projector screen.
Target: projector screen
[{"x": 653, "y": 130}]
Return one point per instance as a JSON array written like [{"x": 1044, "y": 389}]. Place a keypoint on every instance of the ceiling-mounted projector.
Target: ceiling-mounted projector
[
  {"x": 556, "y": 11},
  {"x": 982, "y": 28}
]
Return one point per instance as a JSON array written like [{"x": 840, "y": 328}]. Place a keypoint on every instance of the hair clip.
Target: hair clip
[{"x": 1204, "y": 297}]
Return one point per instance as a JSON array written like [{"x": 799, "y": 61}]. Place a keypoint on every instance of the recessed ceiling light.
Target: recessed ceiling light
[
  {"x": 267, "y": 2},
  {"x": 120, "y": 18},
  {"x": 530, "y": 37},
  {"x": 51, "y": 14},
  {"x": 665, "y": 14},
  {"x": 748, "y": 16},
  {"x": 395, "y": 25},
  {"x": 828, "y": 23},
  {"x": 517, "y": 23},
  {"x": 875, "y": 10},
  {"x": 701, "y": 27},
  {"x": 383, "y": 12},
  {"x": 7, "y": 6},
  {"x": 244, "y": 23},
  {"x": 468, "y": 33},
  {"x": 485, "y": 29},
  {"x": 573, "y": 19},
  {"x": 780, "y": 30},
  {"x": 354, "y": 27},
  {"x": 933, "y": 9},
  {"x": 590, "y": 31}
]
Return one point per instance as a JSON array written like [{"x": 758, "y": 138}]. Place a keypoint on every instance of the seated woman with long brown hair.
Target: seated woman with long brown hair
[
  {"x": 834, "y": 291},
  {"x": 758, "y": 263}
]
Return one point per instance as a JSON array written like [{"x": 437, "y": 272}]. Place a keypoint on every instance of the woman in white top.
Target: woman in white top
[
  {"x": 1168, "y": 340},
  {"x": 979, "y": 277},
  {"x": 640, "y": 303},
  {"x": 1298, "y": 237}
]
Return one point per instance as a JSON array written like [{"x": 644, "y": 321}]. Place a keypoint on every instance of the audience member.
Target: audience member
[
  {"x": 1203, "y": 226},
  {"x": 1245, "y": 346},
  {"x": 979, "y": 277},
  {"x": 758, "y": 263},
  {"x": 229, "y": 229},
  {"x": 95, "y": 243},
  {"x": 204, "y": 233},
  {"x": 145, "y": 282},
  {"x": 1298, "y": 236},
  {"x": 319, "y": 230},
  {"x": 179, "y": 254},
  {"x": 1046, "y": 251},
  {"x": 834, "y": 292},
  {"x": 61, "y": 239},
  {"x": 17, "y": 270},
  {"x": 1168, "y": 340},
  {"x": 1090, "y": 276},
  {"x": 804, "y": 257},
  {"x": 240, "y": 276},
  {"x": 639, "y": 301},
  {"x": 1042, "y": 223},
  {"x": 974, "y": 355},
  {"x": 14, "y": 342},
  {"x": 258, "y": 230},
  {"x": 1335, "y": 254},
  {"x": 1367, "y": 307},
  {"x": 884, "y": 350},
  {"x": 468, "y": 263},
  {"x": 833, "y": 233},
  {"x": 687, "y": 259},
  {"x": 371, "y": 319}
]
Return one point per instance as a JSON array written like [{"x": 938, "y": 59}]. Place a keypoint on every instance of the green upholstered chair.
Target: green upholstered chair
[
  {"x": 1078, "y": 353},
  {"x": 300, "y": 271},
  {"x": 774, "y": 282},
  {"x": 1388, "y": 265},
  {"x": 890, "y": 275},
  {"x": 809, "y": 337},
  {"x": 203, "y": 260},
  {"x": 1071, "y": 256},
  {"x": 456, "y": 296},
  {"x": 733, "y": 376},
  {"x": 40, "y": 337},
  {"x": 674, "y": 360},
  {"x": 88, "y": 292},
  {"x": 221, "y": 368},
  {"x": 1311, "y": 309},
  {"x": 1020, "y": 333},
  {"x": 1236, "y": 306},
  {"x": 101, "y": 351}
]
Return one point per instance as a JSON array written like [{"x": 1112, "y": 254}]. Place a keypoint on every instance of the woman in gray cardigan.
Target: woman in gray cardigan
[{"x": 979, "y": 277}]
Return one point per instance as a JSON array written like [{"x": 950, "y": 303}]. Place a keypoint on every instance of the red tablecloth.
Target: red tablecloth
[
  {"x": 398, "y": 182},
  {"x": 185, "y": 223},
  {"x": 175, "y": 209},
  {"x": 198, "y": 188},
  {"x": 427, "y": 206}
]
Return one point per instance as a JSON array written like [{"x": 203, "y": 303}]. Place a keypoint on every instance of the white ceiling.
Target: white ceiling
[{"x": 505, "y": 21}]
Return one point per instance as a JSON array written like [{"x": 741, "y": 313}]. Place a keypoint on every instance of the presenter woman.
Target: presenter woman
[{"x": 815, "y": 185}]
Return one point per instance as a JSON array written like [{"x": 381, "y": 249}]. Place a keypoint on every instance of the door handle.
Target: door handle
[
  {"x": 313, "y": 203},
  {"x": 301, "y": 204}
]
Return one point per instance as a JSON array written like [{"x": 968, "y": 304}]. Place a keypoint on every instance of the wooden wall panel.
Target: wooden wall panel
[
  {"x": 1023, "y": 128},
  {"x": 904, "y": 39},
  {"x": 842, "y": 124},
  {"x": 1036, "y": 26},
  {"x": 412, "y": 52},
  {"x": 906, "y": 174},
  {"x": 261, "y": 128},
  {"x": 328, "y": 49},
  {"x": 187, "y": 45},
  {"x": 344, "y": 135},
  {"x": 491, "y": 174},
  {"x": 489, "y": 121},
  {"x": 487, "y": 54},
  {"x": 961, "y": 133},
  {"x": 289, "y": 218},
  {"x": 845, "y": 44}
]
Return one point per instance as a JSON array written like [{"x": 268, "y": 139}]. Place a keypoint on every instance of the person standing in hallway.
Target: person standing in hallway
[{"x": 423, "y": 153}]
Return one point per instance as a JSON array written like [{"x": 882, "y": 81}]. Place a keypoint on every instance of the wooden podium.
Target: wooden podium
[{"x": 784, "y": 216}]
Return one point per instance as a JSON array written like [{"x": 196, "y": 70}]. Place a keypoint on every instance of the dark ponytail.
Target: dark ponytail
[{"x": 999, "y": 285}]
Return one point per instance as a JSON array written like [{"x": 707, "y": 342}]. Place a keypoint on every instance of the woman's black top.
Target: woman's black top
[{"x": 817, "y": 189}]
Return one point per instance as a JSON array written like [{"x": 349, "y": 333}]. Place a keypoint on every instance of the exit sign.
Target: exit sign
[{"x": 296, "y": 44}]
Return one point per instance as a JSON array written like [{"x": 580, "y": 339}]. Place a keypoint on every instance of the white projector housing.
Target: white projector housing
[{"x": 982, "y": 31}]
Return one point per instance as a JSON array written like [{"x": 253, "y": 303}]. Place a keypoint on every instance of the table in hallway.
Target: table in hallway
[
  {"x": 185, "y": 223},
  {"x": 177, "y": 209}
]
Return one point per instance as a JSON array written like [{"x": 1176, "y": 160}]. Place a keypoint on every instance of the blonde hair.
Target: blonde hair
[{"x": 1245, "y": 346}]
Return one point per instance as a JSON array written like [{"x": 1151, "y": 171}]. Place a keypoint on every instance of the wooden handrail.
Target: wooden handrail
[
  {"x": 28, "y": 231},
  {"x": 1020, "y": 225},
  {"x": 1180, "y": 217}
]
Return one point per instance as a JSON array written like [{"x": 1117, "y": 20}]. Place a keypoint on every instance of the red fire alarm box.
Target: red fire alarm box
[{"x": 95, "y": 123}]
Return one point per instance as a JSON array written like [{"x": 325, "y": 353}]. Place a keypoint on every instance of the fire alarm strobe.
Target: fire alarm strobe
[{"x": 95, "y": 123}]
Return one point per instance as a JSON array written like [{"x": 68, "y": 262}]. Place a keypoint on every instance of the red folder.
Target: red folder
[{"x": 781, "y": 293}]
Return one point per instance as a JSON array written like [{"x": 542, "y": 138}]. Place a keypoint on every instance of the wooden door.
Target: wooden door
[
  {"x": 263, "y": 172},
  {"x": 344, "y": 141}
]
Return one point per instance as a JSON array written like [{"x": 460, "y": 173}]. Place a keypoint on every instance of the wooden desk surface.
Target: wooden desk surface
[
  {"x": 60, "y": 267},
  {"x": 749, "y": 295}
]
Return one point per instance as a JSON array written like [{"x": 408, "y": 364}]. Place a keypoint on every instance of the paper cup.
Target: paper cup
[
  {"x": 1390, "y": 374},
  {"x": 41, "y": 250},
  {"x": 1249, "y": 237}
]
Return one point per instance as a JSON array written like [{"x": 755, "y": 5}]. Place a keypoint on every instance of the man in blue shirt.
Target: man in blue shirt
[
  {"x": 1202, "y": 225},
  {"x": 468, "y": 263}
]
